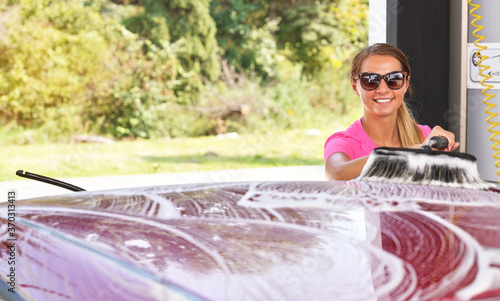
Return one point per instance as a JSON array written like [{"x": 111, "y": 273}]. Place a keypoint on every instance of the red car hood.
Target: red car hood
[{"x": 256, "y": 241}]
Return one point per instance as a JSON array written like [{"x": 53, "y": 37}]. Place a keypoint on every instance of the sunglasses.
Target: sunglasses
[{"x": 370, "y": 81}]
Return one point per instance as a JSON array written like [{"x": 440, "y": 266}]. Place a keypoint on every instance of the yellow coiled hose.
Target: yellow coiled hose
[{"x": 493, "y": 124}]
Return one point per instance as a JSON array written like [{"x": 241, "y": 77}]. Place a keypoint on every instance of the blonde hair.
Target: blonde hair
[{"x": 408, "y": 130}]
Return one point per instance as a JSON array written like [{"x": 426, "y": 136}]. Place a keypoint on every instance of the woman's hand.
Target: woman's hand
[{"x": 439, "y": 131}]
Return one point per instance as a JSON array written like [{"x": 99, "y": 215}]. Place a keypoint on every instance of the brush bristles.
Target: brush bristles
[{"x": 408, "y": 166}]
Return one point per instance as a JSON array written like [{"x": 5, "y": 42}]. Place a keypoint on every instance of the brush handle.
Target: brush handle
[{"x": 438, "y": 142}]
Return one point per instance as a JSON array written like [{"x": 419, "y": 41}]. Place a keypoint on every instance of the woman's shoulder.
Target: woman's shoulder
[{"x": 353, "y": 141}]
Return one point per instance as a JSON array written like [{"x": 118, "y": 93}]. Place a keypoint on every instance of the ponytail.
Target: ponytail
[{"x": 408, "y": 130}]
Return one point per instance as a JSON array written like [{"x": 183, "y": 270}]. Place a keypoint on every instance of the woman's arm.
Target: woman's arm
[{"x": 339, "y": 167}]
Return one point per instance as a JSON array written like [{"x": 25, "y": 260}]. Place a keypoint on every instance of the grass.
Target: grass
[
  {"x": 65, "y": 160},
  {"x": 61, "y": 160}
]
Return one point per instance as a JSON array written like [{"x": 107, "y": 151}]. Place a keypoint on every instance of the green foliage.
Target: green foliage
[
  {"x": 191, "y": 22},
  {"x": 189, "y": 26},
  {"x": 46, "y": 64},
  {"x": 150, "y": 26},
  {"x": 233, "y": 28},
  {"x": 316, "y": 34},
  {"x": 293, "y": 102},
  {"x": 120, "y": 85},
  {"x": 155, "y": 68},
  {"x": 139, "y": 100},
  {"x": 259, "y": 50},
  {"x": 325, "y": 34}
]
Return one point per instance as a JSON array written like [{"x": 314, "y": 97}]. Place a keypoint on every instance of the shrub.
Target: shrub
[
  {"x": 137, "y": 101},
  {"x": 43, "y": 66}
]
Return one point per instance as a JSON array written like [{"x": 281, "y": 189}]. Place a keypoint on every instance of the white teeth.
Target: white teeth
[{"x": 383, "y": 100}]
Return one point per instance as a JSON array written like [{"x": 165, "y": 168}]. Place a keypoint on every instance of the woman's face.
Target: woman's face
[{"x": 382, "y": 101}]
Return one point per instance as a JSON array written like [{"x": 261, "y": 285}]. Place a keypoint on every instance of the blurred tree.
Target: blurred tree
[
  {"x": 233, "y": 26},
  {"x": 320, "y": 33},
  {"x": 187, "y": 24},
  {"x": 246, "y": 39},
  {"x": 61, "y": 57},
  {"x": 51, "y": 52},
  {"x": 138, "y": 100},
  {"x": 315, "y": 33},
  {"x": 141, "y": 78}
]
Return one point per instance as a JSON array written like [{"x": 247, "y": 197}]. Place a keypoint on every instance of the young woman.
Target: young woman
[{"x": 380, "y": 76}]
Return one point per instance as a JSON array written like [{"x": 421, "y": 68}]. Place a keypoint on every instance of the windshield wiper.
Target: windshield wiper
[{"x": 34, "y": 176}]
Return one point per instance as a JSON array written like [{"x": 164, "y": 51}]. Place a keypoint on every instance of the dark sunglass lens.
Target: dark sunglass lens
[
  {"x": 369, "y": 81},
  {"x": 395, "y": 80}
]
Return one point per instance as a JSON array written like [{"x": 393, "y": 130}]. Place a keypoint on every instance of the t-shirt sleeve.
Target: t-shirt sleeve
[
  {"x": 340, "y": 143},
  {"x": 426, "y": 130}
]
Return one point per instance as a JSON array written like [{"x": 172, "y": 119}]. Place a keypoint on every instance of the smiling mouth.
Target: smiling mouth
[{"x": 385, "y": 100}]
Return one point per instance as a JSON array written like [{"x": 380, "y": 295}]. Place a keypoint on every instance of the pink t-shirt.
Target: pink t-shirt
[{"x": 355, "y": 142}]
